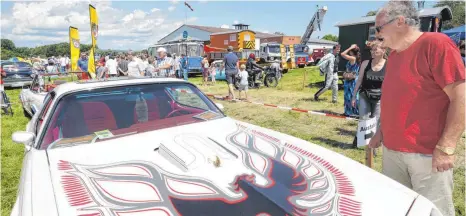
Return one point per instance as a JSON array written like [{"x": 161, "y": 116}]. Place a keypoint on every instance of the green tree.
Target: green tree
[
  {"x": 7, "y": 44},
  {"x": 330, "y": 37},
  {"x": 23, "y": 52},
  {"x": 6, "y": 54},
  {"x": 457, "y": 9},
  {"x": 371, "y": 13}
]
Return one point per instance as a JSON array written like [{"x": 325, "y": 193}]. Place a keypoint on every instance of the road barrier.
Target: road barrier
[{"x": 225, "y": 98}]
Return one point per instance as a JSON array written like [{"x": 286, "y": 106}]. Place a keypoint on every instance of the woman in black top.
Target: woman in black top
[{"x": 369, "y": 84}]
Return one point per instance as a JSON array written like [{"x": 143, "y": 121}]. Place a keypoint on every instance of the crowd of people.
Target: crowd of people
[
  {"x": 141, "y": 65},
  {"x": 421, "y": 114}
]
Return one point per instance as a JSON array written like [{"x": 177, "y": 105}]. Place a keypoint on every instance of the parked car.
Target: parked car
[
  {"x": 161, "y": 147},
  {"x": 33, "y": 96},
  {"x": 17, "y": 73},
  {"x": 219, "y": 70}
]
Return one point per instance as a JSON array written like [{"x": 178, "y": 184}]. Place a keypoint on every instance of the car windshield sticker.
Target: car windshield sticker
[
  {"x": 208, "y": 115},
  {"x": 104, "y": 134}
]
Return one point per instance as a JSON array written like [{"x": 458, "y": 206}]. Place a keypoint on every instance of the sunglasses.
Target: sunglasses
[{"x": 379, "y": 28}]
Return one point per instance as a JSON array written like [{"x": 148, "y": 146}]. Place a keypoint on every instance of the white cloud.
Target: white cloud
[
  {"x": 235, "y": 22},
  {"x": 35, "y": 23},
  {"x": 225, "y": 26},
  {"x": 203, "y": 1},
  {"x": 174, "y": 1}
]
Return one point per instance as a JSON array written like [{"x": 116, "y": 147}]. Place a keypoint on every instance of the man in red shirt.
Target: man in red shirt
[{"x": 422, "y": 105}]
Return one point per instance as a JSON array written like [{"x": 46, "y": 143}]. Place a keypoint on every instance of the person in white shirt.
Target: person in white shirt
[
  {"x": 243, "y": 84},
  {"x": 134, "y": 68},
  {"x": 111, "y": 64},
  {"x": 68, "y": 62},
  {"x": 62, "y": 64}
]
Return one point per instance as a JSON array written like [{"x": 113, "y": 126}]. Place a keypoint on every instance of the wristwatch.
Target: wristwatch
[{"x": 446, "y": 150}]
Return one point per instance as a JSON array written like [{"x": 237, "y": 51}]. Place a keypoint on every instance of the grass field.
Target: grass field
[{"x": 331, "y": 133}]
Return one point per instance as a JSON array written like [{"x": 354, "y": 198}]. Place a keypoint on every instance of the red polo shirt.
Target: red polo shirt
[{"x": 413, "y": 105}]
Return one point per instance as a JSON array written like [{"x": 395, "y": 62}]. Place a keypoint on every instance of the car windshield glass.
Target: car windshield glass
[
  {"x": 300, "y": 48},
  {"x": 274, "y": 49},
  {"x": 23, "y": 65},
  {"x": 193, "y": 50},
  {"x": 120, "y": 111}
]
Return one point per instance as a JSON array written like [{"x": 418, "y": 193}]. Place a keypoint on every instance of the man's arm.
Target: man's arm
[
  {"x": 330, "y": 65},
  {"x": 454, "y": 125}
]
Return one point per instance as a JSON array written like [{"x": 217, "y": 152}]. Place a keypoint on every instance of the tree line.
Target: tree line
[{"x": 9, "y": 50}]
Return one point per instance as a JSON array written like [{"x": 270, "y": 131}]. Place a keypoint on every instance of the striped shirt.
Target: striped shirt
[{"x": 162, "y": 62}]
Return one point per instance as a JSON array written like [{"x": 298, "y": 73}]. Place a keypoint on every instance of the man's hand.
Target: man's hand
[
  {"x": 442, "y": 162},
  {"x": 376, "y": 140}
]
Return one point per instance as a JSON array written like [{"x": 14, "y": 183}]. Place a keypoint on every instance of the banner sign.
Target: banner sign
[
  {"x": 366, "y": 130},
  {"x": 74, "y": 48},
  {"x": 94, "y": 33}
]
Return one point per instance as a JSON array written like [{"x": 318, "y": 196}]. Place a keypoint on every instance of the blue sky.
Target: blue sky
[{"x": 135, "y": 25}]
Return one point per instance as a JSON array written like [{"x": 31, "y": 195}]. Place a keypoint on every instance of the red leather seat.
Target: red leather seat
[
  {"x": 98, "y": 116},
  {"x": 153, "y": 112}
]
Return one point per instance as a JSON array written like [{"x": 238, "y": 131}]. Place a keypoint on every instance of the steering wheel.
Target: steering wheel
[{"x": 173, "y": 112}]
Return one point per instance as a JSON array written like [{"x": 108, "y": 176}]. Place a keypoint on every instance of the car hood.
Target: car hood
[{"x": 218, "y": 167}]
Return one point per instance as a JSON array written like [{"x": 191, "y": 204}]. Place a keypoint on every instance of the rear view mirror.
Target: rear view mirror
[
  {"x": 220, "y": 106},
  {"x": 23, "y": 137}
]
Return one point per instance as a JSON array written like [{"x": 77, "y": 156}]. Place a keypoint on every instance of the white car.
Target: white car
[
  {"x": 32, "y": 97},
  {"x": 161, "y": 147}
]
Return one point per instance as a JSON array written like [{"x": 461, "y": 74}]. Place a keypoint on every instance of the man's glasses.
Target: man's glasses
[{"x": 379, "y": 28}]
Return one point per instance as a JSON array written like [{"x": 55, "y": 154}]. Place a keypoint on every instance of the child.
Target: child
[
  {"x": 213, "y": 72},
  {"x": 243, "y": 84}
]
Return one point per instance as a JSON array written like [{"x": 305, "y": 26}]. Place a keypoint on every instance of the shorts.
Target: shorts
[
  {"x": 205, "y": 73},
  {"x": 231, "y": 76},
  {"x": 243, "y": 87}
]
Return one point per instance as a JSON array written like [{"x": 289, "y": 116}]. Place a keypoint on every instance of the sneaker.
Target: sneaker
[{"x": 316, "y": 98}]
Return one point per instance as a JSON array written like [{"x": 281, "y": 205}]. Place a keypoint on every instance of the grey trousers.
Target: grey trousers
[
  {"x": 414, "y": 171},
  {"x": 330, "y": 82}
]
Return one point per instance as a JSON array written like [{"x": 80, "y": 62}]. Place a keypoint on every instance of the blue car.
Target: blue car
[{"x": 219, "y": 70}]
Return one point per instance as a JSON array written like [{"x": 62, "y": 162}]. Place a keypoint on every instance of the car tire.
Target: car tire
[
  {"x": 301, "y": 66},
  {"x": 26, "y": 114}
]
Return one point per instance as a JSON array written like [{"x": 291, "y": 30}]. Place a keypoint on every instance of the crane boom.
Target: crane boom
[{"x": 315, "y": 21}]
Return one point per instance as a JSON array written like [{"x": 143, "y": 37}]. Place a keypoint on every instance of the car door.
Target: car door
[{"x": 26, "y": 95}]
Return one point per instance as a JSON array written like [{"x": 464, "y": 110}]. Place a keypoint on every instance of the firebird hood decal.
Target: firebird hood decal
[{"x": 269, "y": 178}]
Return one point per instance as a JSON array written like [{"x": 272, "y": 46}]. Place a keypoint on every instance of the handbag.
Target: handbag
[{"x": 373, "y": 94}]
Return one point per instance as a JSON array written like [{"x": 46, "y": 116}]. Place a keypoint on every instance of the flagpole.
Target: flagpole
[{"x": 185, "y": 16}]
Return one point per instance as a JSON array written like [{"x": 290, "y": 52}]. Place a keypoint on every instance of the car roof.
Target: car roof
[{"x": 82, "y": 85}]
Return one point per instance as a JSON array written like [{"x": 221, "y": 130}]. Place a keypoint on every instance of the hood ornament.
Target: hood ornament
[{"x": 216, "y": 162}]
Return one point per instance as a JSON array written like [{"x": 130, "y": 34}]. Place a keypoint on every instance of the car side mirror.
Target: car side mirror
[
  {"x": 220, "y": 106},
  {"x": 23, "y": 137}
]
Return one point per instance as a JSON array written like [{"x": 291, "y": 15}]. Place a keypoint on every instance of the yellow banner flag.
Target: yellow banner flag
[
  {"x": 94, "y": 33},
  {"x": 74, "y": 48}
]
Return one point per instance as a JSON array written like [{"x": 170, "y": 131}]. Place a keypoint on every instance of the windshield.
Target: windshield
[
  {"x": 120, "y": 111},
  {"x": 151, "y": 51},
  {"x": 274, "y": 49},
  {"x": 300, "y": 48},
  {"x": 194, "y": 50}
]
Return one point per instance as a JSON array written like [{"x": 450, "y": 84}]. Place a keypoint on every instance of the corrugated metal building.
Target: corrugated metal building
[{"x": 358, "y": 31}]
